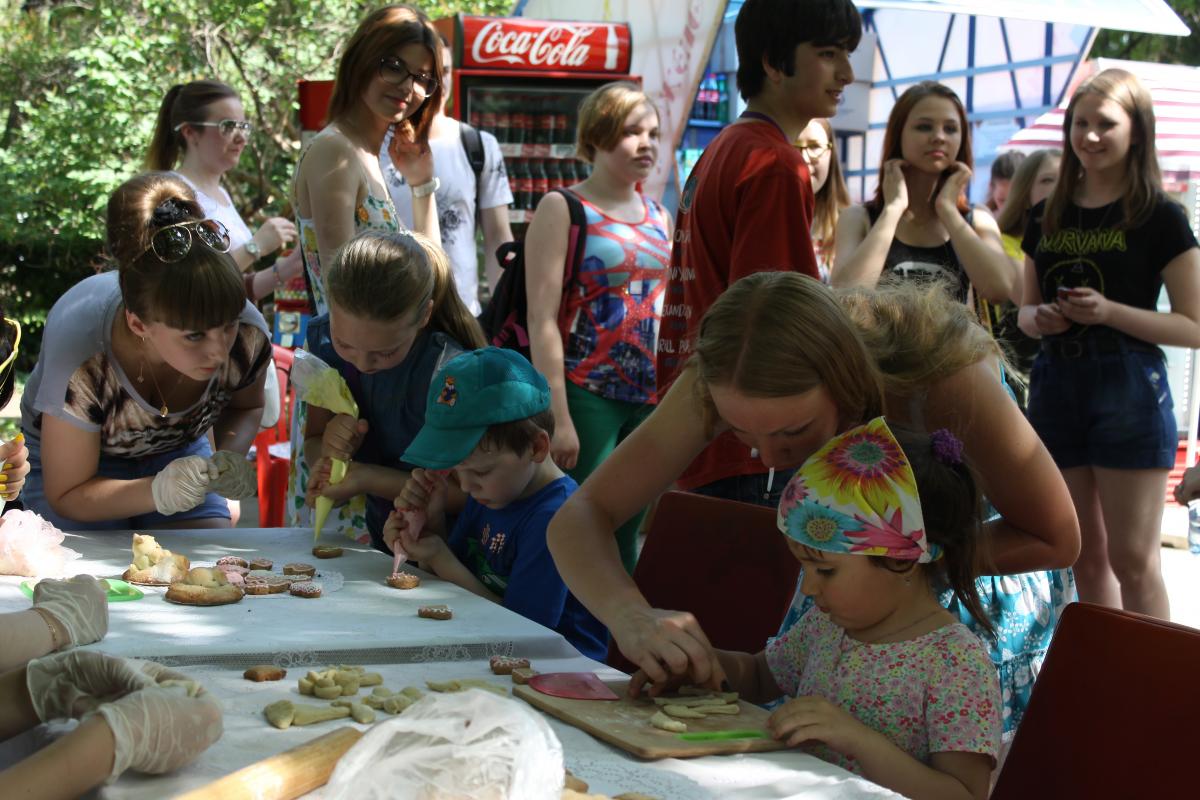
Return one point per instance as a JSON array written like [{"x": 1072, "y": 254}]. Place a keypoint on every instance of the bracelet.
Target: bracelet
[
  {"x": 47, "y": 618},
  {"x": 426, "y": 189}
]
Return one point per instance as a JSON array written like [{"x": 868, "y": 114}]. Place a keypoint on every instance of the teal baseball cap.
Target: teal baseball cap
[{"x": 471, "y": 392}]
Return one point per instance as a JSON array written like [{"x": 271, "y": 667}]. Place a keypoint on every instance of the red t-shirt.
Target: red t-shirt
[{"x": 747, "y": 207}]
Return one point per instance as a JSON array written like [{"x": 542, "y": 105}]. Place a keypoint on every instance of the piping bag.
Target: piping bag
[
  {"x": 321, "y": 385},
  {"x": 414, "y": 520}
]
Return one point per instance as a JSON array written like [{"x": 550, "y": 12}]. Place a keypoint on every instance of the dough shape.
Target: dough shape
[
  {"x": 663, "y": 722},
  {"x": 203, "y": 586},
  {"x": 682, "y": 712},
  {"x": 152, "y": 565}
]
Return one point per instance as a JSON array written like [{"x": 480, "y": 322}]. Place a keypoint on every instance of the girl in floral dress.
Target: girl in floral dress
[{"x": 880, "y": 678}]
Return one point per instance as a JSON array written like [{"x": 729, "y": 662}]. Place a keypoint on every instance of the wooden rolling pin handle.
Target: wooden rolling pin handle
[{"x": 290, "y": 774}]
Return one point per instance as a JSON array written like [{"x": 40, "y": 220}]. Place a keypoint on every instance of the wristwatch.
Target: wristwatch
[
  {"x": 252, "y": 248},
  {"x": 426, "y": 189}
]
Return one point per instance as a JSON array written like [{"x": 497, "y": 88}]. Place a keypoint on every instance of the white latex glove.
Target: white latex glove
[
  {"x": 70, "y": 684},
  {"x": 182, "y": 484},
  {"x": 80, "y": 604},
  {"x": 235, "y": 478},
  {"x": 161, "y": 728}
]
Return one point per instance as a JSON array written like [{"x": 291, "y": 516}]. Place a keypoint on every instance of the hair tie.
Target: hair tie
[
  {"x": 947, "y": 447},
  {"x": 169, "y": 212}
]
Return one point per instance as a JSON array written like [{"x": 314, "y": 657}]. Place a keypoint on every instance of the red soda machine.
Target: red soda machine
[{"x": 522, "y": 80}]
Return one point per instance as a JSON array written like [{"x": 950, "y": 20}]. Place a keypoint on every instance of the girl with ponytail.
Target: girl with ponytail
[{"x": 394, "y": 319}]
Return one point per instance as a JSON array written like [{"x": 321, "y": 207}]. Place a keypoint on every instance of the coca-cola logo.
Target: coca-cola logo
[{"x": 553, "y": 45}]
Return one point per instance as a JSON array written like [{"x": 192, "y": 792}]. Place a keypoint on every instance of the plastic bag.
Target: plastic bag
[
  {"x": 31, "y": 546},
  {"x": 319, "y": 384},
  {"x": 470, "y": 745}
]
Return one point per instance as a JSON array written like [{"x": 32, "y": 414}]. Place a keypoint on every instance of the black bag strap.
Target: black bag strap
[
  {"x": 472, "y": 144},
  {"x": 579, "y": 226}
]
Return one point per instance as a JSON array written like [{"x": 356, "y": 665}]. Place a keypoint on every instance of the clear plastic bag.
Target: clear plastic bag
[
  {"x": 31, "y": 546},
  {"x": 471, "y": 745}
]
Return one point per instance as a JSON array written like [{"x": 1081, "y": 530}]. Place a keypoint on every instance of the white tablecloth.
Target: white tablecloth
[{"x": 365, "y": 621}]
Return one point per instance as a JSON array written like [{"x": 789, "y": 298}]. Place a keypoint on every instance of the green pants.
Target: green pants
[{"x": 602, "y": 424}]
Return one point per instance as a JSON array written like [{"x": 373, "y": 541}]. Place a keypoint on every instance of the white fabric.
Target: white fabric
[
  {"x": 222, "y": 210},
  {"x": 182, "y": 484},
  {"x": 80, "y": 604},
  {"x": 455, "y": 199}
]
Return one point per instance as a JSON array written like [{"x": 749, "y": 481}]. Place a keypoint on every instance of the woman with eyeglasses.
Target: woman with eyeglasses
[
  {"x": 389, "y": 77},
  {"x": 200, "y": 133},
  {"x": 139, "y": 367},
  {"x": 829, "y": 189}
]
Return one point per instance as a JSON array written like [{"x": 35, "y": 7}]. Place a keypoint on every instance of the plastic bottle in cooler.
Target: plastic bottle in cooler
[
  {"x": 488, "y": 121},
  {"x": 476, "y": 119},
  {"x": 514, "y": 181},
  {"x": 722, "y": 98},
  {"x": 554, "y": 177},
  {"x": 519, "y": 132},
  {"x": 565, "y": 132},
  {"x": 520, "y": 168},
  {"x": 503, "y": 126},
  {"x": 540, "y": 183}
]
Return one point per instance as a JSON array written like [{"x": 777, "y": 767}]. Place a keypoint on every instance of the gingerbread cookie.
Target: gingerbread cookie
[
  {"x": 403, "y": 580},
  {"x": 435, "y": 612},
  {"x": 504, "y": 665},
  {"x": 306, "y": 589},
  {"x": 265, "y": 672},
  {"x": 307, "y": 570},
  {"x": 326, "y": 551},
  {"x": 259, "y": 585},
  {"x": 521, "y": 675},
  {"x": 261, "y": 563},
  {"x": 236, "y": 561}
]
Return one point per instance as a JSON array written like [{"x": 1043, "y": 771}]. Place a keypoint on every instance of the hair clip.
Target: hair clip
[
  {"x": 947, "y": 447},
  {"x": 169, "y": 212}
]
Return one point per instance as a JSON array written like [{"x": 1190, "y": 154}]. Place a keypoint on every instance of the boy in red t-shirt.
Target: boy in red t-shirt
[{"x": 748, "y": 203}]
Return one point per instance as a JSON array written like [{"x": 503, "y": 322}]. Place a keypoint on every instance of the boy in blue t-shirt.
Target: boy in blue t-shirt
[{"x": 488, "y": 420}]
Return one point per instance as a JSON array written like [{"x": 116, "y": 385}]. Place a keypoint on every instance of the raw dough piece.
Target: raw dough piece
[
  {"x": 403, "y": 580},
  {"x": 435, "y": 612},
  {"x": 307, "y": 570},
  {"x": 280, "y": 714},
  {"x": 504, "y": 665},
  {"x": 306, "y": 589},
  {"x": 663, "y": 722},
  {"x": 731, "y": 708},
  {"x": 362, "y": 714},
  {"x": 396, "y": 703},
  {"x": 326, "y": 551},
  {"x": 204, "y": 587},
  {"x": 152, "y": 565},
  {"x": 308, "y": 715},
  {"x": 716, "y": 699},
  {"x": 413, "y": 692},
  {"x": 265, "y": 672},
  {"x": 682, "y": 712},
  {"x": 444, "y": 686},
  {"x": 522, "y": 676}
]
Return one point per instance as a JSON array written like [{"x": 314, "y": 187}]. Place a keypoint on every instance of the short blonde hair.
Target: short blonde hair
[{"x": 602, "y": 117}]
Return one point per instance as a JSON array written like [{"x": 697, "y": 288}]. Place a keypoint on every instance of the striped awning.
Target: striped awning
[{"x": 1175, "y": 90}]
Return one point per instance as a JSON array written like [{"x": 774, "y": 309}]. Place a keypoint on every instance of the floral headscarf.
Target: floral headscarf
[{"x": 858, "y": 494}]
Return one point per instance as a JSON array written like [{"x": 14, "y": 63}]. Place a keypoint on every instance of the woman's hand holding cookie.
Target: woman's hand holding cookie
[{"x": 666, "y": 644}]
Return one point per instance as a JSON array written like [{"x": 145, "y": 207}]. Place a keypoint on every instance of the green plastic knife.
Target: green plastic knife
[{"x": 713, "y": 736}]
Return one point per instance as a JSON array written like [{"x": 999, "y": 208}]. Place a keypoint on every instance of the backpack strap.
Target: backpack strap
[
  {"x": 472, "y": 144},
  {"x": 576, "y": 237}
]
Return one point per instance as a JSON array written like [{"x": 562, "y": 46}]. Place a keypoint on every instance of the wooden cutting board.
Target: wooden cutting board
[{"x": 626, "y": 724}]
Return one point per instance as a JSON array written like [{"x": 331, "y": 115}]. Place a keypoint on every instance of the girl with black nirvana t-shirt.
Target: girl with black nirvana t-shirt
[{"x": 1098, "y": 252}]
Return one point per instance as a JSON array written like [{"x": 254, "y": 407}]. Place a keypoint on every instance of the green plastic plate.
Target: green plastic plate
[{"x": 118, "y": 590}]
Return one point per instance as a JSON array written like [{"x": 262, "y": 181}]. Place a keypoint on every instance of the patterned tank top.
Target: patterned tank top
[
  {"x": 372, "y": 214},
  {"x": 611, "y": 312}
]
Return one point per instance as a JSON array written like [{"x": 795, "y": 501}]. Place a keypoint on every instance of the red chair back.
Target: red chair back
[
  {"x": 1112, "y": 713},
  {"x": 273, "y": 470},
  {"x": 725, "y": 562}
]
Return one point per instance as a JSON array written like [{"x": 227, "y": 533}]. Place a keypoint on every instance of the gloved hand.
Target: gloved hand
[
  {"x": 80, "y": 604},
  {"x": 68, "y": 685},
  {"x": 161, "y": 728},
  {"x": 182, "y": 484},
  {"x": 235, "y": 477}
]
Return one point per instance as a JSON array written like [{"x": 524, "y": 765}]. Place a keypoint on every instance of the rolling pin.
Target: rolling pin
[{"x": 282, "y": 777}]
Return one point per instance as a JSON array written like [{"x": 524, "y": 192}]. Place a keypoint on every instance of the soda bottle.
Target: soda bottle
[
  {"x": 519, "y": 133},
  {"x": 488, "y": 122},
  {"x": 722, "y": 98},
  {"x": 1194, "y": 527},
  {"x": 564, "y": 129},
  {"x": 476, "y": 118},
  {"x": 503, "y": 123},
  {"x": 554, "y": 178},
  {"x": 545, "y": 128},
  {"x": 514, "y": 181},
  {"x": 539, "y": 182},
  {"x": 521, "y": 199}
]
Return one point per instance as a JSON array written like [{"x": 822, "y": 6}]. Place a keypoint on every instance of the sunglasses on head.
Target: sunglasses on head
[
  {"x": 227, "y": 127},
  {"x": 173, "y": 242}
]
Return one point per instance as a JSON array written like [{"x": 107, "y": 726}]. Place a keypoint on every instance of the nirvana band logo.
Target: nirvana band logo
[{"x": 1075, "y": 242}]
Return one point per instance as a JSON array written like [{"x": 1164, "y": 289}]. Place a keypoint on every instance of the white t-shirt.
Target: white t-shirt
[
  {"x": 455, "y": 199},
  {"x": 223, "y": 211}
]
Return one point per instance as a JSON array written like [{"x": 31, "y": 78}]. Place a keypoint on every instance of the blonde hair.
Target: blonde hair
[
  {"x": 1143, "y": 179},
  {"x": 917, "y": 334},
  {"x": 777, "y": 334},
  {"x": 385, "y": 276},
  {"x": 203, "y": 290},
  {"x": 602, "y": 116},
  {"x": 833, "y": 197},
  {"x": 1015, "y": 213},
  {"x": 382, "y": 32}
]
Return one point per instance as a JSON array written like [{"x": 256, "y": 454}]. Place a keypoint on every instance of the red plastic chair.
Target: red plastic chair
[
  {"x": 273, "y": 470},
  {"x": 725, "y": 562},
  {"x": 1112, "y": 713}
]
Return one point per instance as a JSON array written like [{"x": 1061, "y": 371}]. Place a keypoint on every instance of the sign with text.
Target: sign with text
[{"x": 535, "y": 45}]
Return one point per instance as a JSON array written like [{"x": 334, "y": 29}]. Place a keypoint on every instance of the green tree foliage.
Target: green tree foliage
[
  {"x": 1159, "y": 49},
  {"x": 80, "y": 83}
]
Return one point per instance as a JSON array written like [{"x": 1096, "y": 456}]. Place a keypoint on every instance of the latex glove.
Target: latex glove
[
  {"x": 182, "y": 484},
  {"x": 235, "y": 479},
  {"x": 80, "y": 604},
  {"x": 161, "y": 728},
  {"x": 70, "y": 684}
]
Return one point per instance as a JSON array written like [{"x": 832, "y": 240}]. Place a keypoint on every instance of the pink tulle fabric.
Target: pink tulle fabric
[{"x": 31, "y": 546}]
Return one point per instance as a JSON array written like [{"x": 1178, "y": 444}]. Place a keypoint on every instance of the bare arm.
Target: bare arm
[
  {"x": 1037, "y": 528},
  {"x": 992, "y": 272},
  {"x": 861, "y": 248},
  {"x": 237, "y": 425},
  {"x": 329, "y": 183},
  {"x": 496, "y": 231},
  {"x": 70, "y": 458}
]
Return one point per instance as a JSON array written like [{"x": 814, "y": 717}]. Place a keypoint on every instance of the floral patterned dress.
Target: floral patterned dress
[{"x": 372, "y": 214}]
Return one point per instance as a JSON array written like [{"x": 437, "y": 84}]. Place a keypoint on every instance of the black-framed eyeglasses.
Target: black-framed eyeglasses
[
  {"x": 227, "y": 127},
  {"x": 395, "y": 72},
  {"x": 173, "y": 242},
  {"x": 813, "y": 149}
]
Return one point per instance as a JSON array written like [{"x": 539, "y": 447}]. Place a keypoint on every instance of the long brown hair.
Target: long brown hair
[
  {"x": 1015, "y": 213},
  {"x": 833, "y": 196},
  {"x": 382, "y": 32},
  {"x": 203, "y": 290},
  {"x": 1143, "y": 179},
  {"x": 385, "y": 276},
  {"x": 893, "y": 135},
  {"x": 776, "y": 334},
  {"x": 183, "y": 102}
]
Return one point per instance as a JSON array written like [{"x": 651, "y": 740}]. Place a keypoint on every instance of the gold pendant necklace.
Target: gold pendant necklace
[{"x": 162, "y": 410}]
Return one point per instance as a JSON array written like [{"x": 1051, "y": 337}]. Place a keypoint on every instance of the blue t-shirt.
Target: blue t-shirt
[
  {"x": 392, "y": 402},
  {"x": 506, "y": 550}
]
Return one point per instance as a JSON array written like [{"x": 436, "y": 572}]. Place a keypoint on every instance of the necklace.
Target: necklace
[
  {"x": 909, "y": 626},
  {"x": 162, "y": 410}
]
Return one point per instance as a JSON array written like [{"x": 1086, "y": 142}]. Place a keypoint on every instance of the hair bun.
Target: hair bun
[{"x": 170, "y": 212}]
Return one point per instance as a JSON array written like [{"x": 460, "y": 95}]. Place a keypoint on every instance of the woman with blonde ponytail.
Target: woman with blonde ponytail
[{"x": 394, "y": 318}]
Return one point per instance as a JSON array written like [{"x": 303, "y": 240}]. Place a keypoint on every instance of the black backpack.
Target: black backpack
[
  {"x": 472, "y": 144},
  {"x": 505, "y": 321}
]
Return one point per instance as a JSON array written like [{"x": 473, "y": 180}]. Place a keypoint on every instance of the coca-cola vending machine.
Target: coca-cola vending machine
[{"x": 522, "y": 81}]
